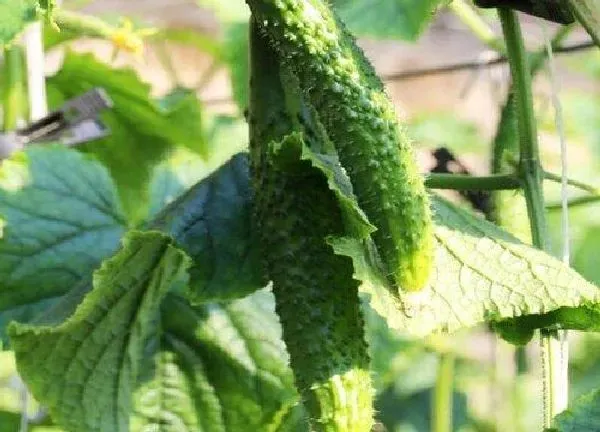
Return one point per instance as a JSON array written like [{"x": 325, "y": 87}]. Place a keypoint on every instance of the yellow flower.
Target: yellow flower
[{"x": 131, "y": 40}]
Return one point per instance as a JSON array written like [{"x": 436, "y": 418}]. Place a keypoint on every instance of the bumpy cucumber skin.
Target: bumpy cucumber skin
[
  {"x": 316, "y": 296},
  {"x": 360, "y": 120}
]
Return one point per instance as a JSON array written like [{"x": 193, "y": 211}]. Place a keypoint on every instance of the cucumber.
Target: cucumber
[
  {"x": 316, "y": 296},
  {"x": 359, "y": 118}
]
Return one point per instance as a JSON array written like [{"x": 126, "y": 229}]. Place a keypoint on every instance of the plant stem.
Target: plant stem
[
  {"x": 441, "y": 407},
  {"x": 555, "y": 355},
  {"x": 538, "y": 59},
  {"x": 83, "y": 25},
  {"x": 531, "y": 174},
  {"x": 469, "y": 182},
  {"x": 36, "y": 79},
  {"x": 124, "y": 37},
  {"x": 510, "y": 208},
  {"x": 12, "y": 105},
  {"x": 578, "y": 184},
  {"x": 477, "y": 25},
  {"x": 575, "y": 202},
  {"x": 530, "y": 170}
]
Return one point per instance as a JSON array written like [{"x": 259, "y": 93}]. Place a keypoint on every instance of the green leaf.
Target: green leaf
[
  {"x": 175, "y": 175},
  {"x": 184, "y": 110},
  {"x": 587, "y": 13},
  {"x": 236, "y": 56},
  {"x": 140, "y": 131},
  {"x": 211, "y": 222},
  {"x": 227, "y": 135},
  {"x": 584, "y": 258},
  {"x": 293, "y": 149},
  {"x": 130, "y": 361},
  {"x": 227, "y": 10},
  {"x": 91, "y": 360},
  {"x": 60, "y": 218},
  {"x": 230, "y": 360},
  {"x": 15, "y": 15},
  {"x": 509, "y": 209},
  {"x": 442, "y": 128},
  {"x": 484, "y": 274},
  {"x": 388, "y": 19},
  {"x": 398, "y": 412},
  {"x": 201, "y": 41},
  {"x": 582, "y": 415}
]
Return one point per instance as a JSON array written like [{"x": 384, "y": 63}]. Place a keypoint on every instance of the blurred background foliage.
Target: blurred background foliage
[{"x": 492, "y": 392}]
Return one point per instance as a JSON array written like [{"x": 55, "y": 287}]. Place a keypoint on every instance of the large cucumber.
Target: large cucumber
[
  {"x": 316, "y": 296},
  {"x": 359, "y": 118}
]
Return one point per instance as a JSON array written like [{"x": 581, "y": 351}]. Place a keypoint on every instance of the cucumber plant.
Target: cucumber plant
[{"x": 155, "y": 281}]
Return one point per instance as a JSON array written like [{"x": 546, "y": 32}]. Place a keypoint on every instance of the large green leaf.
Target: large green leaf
[
  {"x": 484, "y": 274},
  {"x": 91, "y": 360},
  {"x": 233, "y": 364},
  {"x": 141, "y": 132},
  {"x": 388, "y": 19},
  {"x": 60, "y": 218},
  {"x": 15, "y": 15},
  {"x": 211, "y": 222},
  {"x": 583, "y": 415},
  {"x": 588, "y": 14},
  {"x": 127, "y": 360}
]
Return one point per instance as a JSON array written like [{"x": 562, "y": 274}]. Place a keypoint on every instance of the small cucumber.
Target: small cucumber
[
  {"x": 316, "y": 295},
  {"x": 343, "y": 88}
]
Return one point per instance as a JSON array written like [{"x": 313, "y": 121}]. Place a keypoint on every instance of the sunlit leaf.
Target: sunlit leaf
[
  {"x": 15, "y": 15},
  {"x": 228, "y": 362},
  {"x": 130, "y": 359},
  {"x": 484, "y": 274},
  {"x": 141, "y": 132},
  {"x": 389, "y": 19},
  {"x": 227, "y": 10},
  {"x": 91, "y": 360}
]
